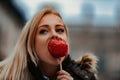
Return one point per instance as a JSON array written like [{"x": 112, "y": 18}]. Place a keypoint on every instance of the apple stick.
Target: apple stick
[{"x": 60, "y": 63}]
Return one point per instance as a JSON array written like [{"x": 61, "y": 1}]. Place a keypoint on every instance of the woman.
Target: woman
[{"x": 31, "y": 59}]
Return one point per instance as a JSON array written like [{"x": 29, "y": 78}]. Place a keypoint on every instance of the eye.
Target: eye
[
  {"x": 60, "y": 30},
  {"x": 43, "y": 31}
]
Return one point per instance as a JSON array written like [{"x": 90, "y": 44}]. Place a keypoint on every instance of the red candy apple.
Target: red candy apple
[{"x": 57, "y": 47}]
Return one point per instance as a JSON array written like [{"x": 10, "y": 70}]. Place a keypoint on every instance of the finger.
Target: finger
[
  {"x": 62, "y": 72},
  {"x": 64, "y": 77}
]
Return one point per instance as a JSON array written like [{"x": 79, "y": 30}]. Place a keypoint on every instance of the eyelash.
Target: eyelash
[
  {"x": 60, "y": 30},
  {"x": 43, "y": 31}
]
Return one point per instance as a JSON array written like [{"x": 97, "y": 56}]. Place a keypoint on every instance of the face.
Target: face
[{"x": 50, "y": 26}]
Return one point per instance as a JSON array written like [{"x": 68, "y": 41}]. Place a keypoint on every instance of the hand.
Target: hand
[{"x": 63, "y": 75}]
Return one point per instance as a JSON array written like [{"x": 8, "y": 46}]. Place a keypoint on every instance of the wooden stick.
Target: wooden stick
[{"x": 60, "y": 63}]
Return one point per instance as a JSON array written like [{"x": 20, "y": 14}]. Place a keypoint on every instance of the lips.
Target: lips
[{"x": 57, "y": 47}]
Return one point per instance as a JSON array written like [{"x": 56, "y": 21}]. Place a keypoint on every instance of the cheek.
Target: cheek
[
  {"x": 40, "y": 40},
  {"x": 39, "y": 47},
  {"x": 39, "y": 44},
  {"x": 65, "y": 38}
]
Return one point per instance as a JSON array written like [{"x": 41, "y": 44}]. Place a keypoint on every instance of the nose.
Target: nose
[{"x": 54, "y": 34}]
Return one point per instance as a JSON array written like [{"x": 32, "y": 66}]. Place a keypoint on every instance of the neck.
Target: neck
[{"x": 48, "y": 70}]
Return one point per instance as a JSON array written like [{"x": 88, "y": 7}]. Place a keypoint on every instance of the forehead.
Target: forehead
[{"x": 51, "y": 18}]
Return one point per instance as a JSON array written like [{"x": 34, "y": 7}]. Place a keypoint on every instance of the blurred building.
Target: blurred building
[{"x": 11, "y": 23}]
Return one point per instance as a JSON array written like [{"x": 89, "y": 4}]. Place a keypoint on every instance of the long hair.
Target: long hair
[{"x": 15, "y": 67}]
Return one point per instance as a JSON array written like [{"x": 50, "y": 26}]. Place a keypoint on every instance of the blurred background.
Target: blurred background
[{"x": 94, "y": 27}]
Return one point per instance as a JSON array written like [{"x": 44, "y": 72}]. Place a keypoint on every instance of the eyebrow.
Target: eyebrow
[
  {"x": 46, "y": 25},
  {"x": 60, "y": 25}
]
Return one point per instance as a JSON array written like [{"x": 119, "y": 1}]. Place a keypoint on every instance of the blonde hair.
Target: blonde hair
[{"x": 15, "y": 66}]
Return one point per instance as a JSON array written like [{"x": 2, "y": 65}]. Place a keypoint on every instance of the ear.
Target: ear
[{"x": 88, "y": 62}]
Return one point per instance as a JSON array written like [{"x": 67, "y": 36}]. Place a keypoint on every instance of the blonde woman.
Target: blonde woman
[{"x": 31, "y": 59}]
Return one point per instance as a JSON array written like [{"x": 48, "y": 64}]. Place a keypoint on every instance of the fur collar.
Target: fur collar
[{"x": 84, "y": 68}]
